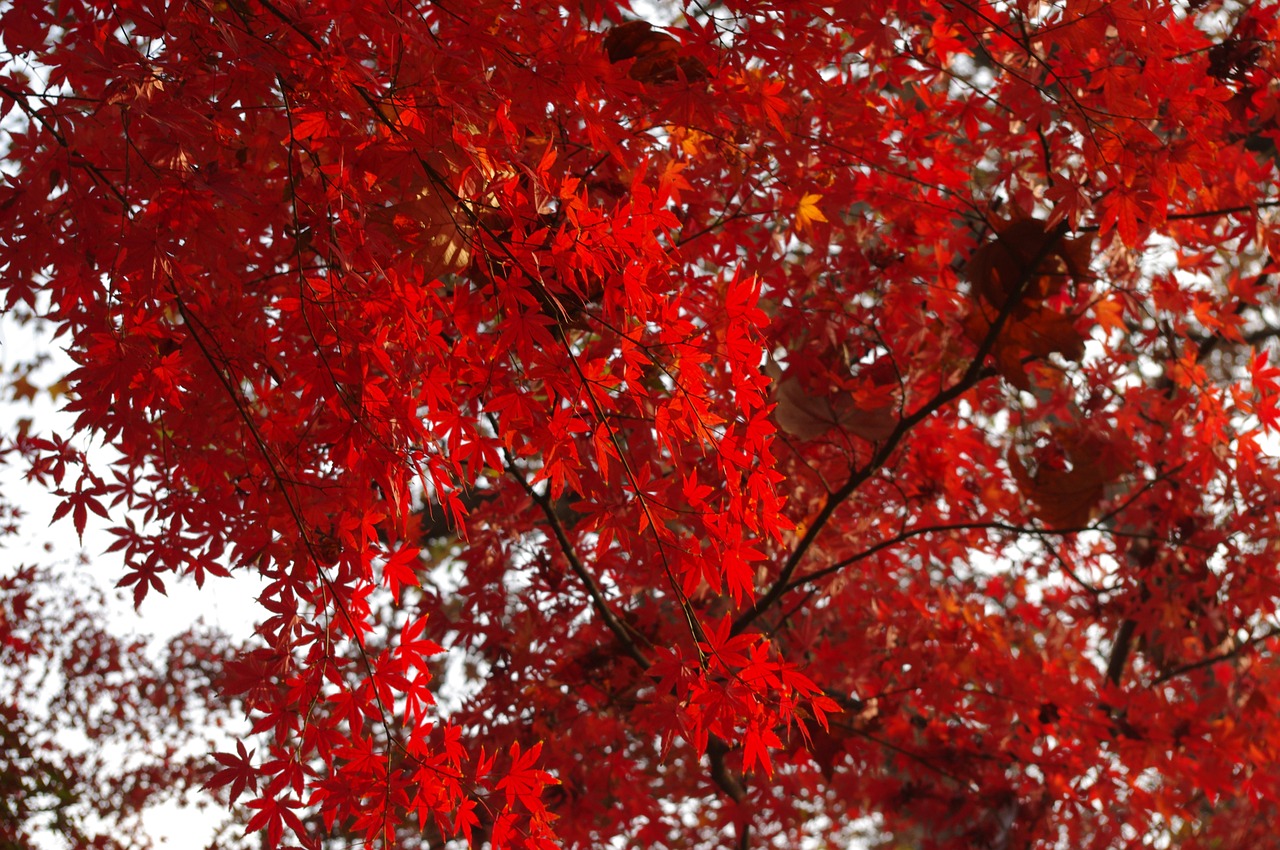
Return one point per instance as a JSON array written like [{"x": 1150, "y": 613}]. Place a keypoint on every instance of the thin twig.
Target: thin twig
[
  {"x": 601, "y": 605},
  {"x": 975, "y": 372},
  {"x": 1273, "y": 631}
]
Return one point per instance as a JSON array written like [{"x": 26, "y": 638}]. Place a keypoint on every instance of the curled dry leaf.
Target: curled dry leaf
[
  {"x": 657, "y": 55},
  {"x": 431, "y": 228},
  {"x": 1027, "y": 264},
  {"x": 1037, "y": 333},
  {"x": 1070, "y": 478},
  {"x": 807, "y": 415},
  {"x": 425, "y": 218}
]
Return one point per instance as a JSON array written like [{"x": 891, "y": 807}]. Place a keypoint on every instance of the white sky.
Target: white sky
[{"x": 229, "y": 604}]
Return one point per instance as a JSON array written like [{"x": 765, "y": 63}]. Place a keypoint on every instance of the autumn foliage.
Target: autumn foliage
[{"x": 733, "y": 424}]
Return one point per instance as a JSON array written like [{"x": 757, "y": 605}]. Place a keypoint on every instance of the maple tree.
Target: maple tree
[{"x": 783, "y": 414}]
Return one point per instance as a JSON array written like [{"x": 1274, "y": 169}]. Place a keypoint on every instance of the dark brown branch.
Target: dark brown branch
[
  {"x": 909, "y": 533},
  {"x": 218, "y": 364},
  {"x": 434, "y": 522},
  {"x": 621, "y": 631},
  {"x": 717, "y": 748},
  {"x": 1214, "y": 659},
  {"x": 77, "y": 159},
  {"x": 1188, "y": 216},
  {"x": 835, "y": 499},
  {"x": 1122, "y": 647},
  {"x": 971, "y": 377},
  {"x": 721, "y": 774},
  {"x": 1120, "y": 650}
]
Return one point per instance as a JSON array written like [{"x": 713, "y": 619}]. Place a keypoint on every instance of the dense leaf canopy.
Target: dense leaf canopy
[{"x": 741, "y": 423}]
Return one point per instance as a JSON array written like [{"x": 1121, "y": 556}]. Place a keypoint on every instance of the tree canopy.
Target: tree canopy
[{"x": 729, "y": 424}]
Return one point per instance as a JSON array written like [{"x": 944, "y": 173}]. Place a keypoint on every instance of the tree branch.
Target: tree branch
[
  {"x": 621, "y": 631},
  {"x": 1214, "y": 659},
  {"x": 975, "y": 372}
]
